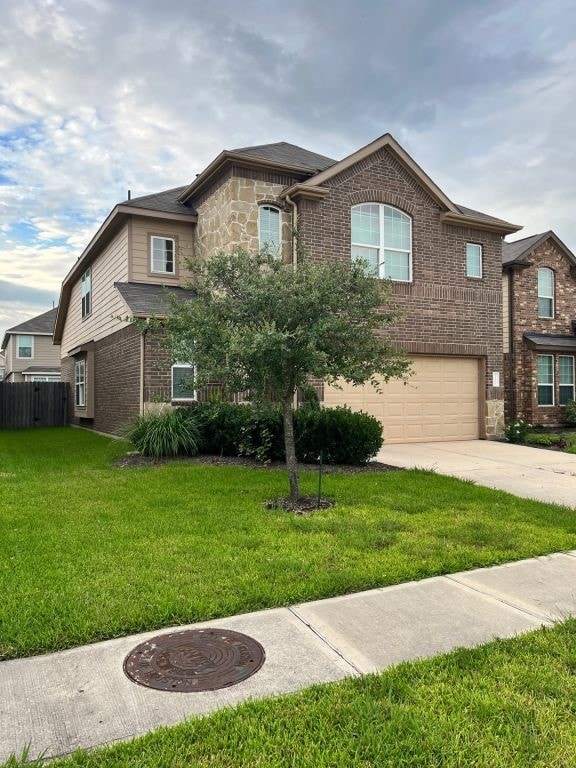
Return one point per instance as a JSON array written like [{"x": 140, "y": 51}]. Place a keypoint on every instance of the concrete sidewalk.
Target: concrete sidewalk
[
  {"x": 532, "y": 473},
  {"x": 81, "y": 697}
]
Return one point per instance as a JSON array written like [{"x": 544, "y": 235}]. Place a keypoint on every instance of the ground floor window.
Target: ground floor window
[
  {"x": 80, "y": 383},
  {"x": 565, "y": 378},
  {"x": 45, "y": 378},
  {"x": 545, "y": 379},
  {"x": 183, "y": 384}
]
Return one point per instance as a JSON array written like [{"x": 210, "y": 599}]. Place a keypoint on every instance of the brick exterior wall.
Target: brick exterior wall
[
  {"x": 444, "y": 311},
  {"x": 521, "y": 364},
  {"x": 116, "y": 381}
]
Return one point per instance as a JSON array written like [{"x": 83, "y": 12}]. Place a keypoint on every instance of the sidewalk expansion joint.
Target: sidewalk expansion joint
[
  {"x": 326, "y": 642},
  {"x": 522, "y": 609}
]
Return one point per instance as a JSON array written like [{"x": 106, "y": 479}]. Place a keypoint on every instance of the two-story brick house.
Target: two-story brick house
[
  {"x": 29, "y": 354},
  {"x": 443, "y": 262},
  {"x": 539, "y": 300}
]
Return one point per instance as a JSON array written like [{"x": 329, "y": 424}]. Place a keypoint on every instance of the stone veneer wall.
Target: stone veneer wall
[
  {"x": 521, "y": 365},
  {"x": 228, "y": 218}
]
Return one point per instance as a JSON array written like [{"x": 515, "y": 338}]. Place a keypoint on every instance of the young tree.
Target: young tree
[{"x": 262, "y": 327}]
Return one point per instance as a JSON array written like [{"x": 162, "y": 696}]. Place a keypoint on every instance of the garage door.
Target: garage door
[{"x": 439, "y": 402}]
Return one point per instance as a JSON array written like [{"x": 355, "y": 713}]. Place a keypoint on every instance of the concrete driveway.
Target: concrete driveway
[{"x": 529, "y": 472}]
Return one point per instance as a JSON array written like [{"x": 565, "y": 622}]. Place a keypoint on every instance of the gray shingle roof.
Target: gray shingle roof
[
  {"x": 166, "y": 201},
  {"x": 288, "y": 154},
  {"x": 551, "y": 341},
  {"x": 41, "y": 324},
  {"x": 478, "y": 214},
  {"x": 147, "y": 300},
  {"x": 514, "y": 251}
]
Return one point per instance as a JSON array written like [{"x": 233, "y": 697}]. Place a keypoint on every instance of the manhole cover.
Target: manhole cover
[{"x": 194, "y": 660}]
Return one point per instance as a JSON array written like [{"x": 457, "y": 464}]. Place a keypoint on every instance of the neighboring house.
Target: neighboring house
[
  {"x": 443, "y": 261},
  {"x": 539, "y": 289},
  {"x": 29, "y": 351},
  {"x": 2, "y": 366}
]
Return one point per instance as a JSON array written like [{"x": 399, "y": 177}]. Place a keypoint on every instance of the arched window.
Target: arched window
[
  {"x": 545, "y": 292},
  {"x": 269, "y": 229},
  {"x": 382, "y": 236}
]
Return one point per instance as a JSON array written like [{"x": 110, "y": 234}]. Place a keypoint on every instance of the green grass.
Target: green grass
[
  {"x": 508, "y": 704},
  {"x": 89, "y": 551},
  {"x": 552, "y": 438}
]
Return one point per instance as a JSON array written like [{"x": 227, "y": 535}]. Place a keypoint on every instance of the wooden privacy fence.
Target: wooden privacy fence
[{"x": 33, "y": 404}]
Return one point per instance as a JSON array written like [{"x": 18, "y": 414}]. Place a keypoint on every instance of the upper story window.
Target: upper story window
[
  {"x": 545, "y": 292},
  {"x": 473, "y": 260},
  {"x": 382, "y": 236},
  {"x": 162, "y": 255},
  {"x": 86, "y": 292},
  {"x": 25, "y": 347},
  {"x": 269, "y": 229}
]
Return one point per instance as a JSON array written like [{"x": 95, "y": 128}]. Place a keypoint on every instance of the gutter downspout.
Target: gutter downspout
[
  {"x": 294, "y": 230},
  {"x": 513, "y": 404}
]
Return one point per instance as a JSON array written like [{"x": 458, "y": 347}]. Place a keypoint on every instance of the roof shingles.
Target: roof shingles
[{"x": 148, "y": 300}]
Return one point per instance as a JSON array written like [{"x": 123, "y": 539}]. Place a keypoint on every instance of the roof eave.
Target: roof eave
[
  {"x": 462, "y": 220},
  {"x": 298, "y": 191}
]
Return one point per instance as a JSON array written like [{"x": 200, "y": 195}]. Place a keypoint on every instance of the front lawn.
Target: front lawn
[
  {"x": 90, "y": 551},
  {"x": 508, "y": 704}
]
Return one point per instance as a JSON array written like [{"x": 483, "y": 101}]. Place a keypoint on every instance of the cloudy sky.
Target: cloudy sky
[{"x": 101, "y": 96}]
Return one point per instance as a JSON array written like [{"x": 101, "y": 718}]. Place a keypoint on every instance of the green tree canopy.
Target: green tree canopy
[{"x": 266, "y": 328}]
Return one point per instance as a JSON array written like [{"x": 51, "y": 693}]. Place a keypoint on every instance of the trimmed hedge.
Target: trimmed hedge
[{"x": 343, "y": 436}]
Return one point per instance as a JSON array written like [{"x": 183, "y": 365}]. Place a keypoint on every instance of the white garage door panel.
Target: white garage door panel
[{"x": 439, "y": 402}]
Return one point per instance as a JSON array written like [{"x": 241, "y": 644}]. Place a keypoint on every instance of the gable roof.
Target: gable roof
[
  {"x": 518, "y": 251},
  {"x": 41, "y": 325},
  {"x": 149, "y": 300},
  {"x": 167, "y": 201},
  {"x": 287, "y": 154}
]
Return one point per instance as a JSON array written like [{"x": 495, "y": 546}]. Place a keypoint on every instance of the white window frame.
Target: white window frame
[
  {"x": 44, "y": 378},
  {"x": 182, "y": 399},
  {"x": 80, "y": 384},
  {"x": 24, "y": 336},
  {"x": 552, "y": 385},
  {"x": 164, "y": 240},
  {"x": 382, "y": 246},
  {"x": 481, "y": 249},
  {"x": 86, "y": 294},
  {"x": 543, "y": 296},
  {"x": 565, "y": 386},
  {"x": 275, "y": 250}
]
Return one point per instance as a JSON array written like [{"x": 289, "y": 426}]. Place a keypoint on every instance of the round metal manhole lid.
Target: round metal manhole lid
[{"x": 194, "y": 660}]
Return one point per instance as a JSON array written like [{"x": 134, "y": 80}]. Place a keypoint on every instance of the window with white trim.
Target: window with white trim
[
  {"x": 382, "y": 237},
  {"x": 183, "y": 382},
  {"x": 473, "y": 260},
  {"x": 45, "y": 378},
  {"x": 162, "y": 255},
  {"x": 565, "y": 378},
  {"x": 545, "y": 292},
  {"x": 25, "y": 347},
  {"x": 80, "y": 383},
  {"x": 269, "y": 229},
  {"x": 86, "y": 285},
  {"x": 545, "y": 372}
]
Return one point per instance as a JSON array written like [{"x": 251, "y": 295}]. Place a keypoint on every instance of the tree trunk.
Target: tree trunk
[{"x": 290, "y": 448}]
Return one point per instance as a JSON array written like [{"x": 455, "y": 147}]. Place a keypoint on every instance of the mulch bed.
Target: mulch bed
[
  {"x": 305, "y": 505},
  {"x": 137, "y": 460}
]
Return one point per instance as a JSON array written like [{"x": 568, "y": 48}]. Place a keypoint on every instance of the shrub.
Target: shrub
[
  {"x": 169, "y": 432},
  {"x": 544, "y": 439},
  {"x": 517, "y": 431},
  {"x": 221, "y": 426},
  {"x": 343, "y": 436},
  {"x": 570, "y": 412}
]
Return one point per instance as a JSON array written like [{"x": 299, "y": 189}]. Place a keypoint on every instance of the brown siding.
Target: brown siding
[
  {"x": 141, "y": 229},
  {"x": 521, "y": 378},
  {"x": 444, "y": 311},
  {"x": 44, "y": 354}
]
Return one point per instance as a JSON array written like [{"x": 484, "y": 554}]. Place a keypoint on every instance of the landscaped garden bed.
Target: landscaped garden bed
[{"x": 90, "y": 551}]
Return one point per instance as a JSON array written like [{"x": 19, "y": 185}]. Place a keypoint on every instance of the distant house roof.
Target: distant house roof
[
  {"x": 166, "y": 201},
  {"x": 42, "y": 369},
  {"x": 284, "y": 153},
  {"x": 147, "y": 300},
  {"x": 519, "y": 250},
  {"x": 41, "y": 325}
]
